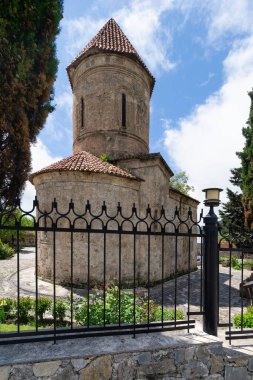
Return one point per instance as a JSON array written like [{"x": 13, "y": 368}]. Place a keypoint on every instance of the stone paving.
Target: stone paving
[{"x": 8, "y": 287}]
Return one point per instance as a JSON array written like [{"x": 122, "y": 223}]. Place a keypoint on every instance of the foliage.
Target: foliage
[
  {"x": 12, "y": 218},
  {"x": 2, "y": 312},
  {"x": 235, "y": 263},
  {"x": 9, "y": 309},
  {"x": 223, "y": 259},
  {"x": 60, "y": 309},
  {"x": 104, "y": 158},
  {"x": 2, "y": 315},
  {"x": 8, "y": 306},
  {"x": 28, "y": 66},
  {"x": 44, "y": 304},
  {"x": 232, "y": 212},
  {"x": 6, "y": 251},
  {"x": 180, "y": 182},
  {"x": 97, "y": 313},
  {"x": 246, "y": 156},
  {"x": 112, "y": 314},
  {"x": 25, "y": 308},
  {"x": 244, "y": 321}
]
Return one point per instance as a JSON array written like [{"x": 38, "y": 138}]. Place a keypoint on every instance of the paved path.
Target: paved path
[{"x": 8, "y": 287}]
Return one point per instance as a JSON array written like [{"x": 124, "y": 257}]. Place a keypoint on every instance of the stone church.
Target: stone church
[{"x": 111, "y": 88}]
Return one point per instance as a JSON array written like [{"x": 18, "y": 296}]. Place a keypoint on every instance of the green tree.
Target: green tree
[
  {"x": 9, "y": 219},
  {"x": 232, "y": 212},
  {"x": 28, "y": 67},
  {"x": 180, "y": 182},
  {"x": 246, "y": 157}
]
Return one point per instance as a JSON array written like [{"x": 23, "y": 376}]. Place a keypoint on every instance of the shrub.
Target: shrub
[
  {"x": 25, "y": 308},
  {"x": 244, "y": 321},
  {"x": 104, "y": 157},
  {"x": 8, "y": 307},
  {"x": 44, "y": 304},
  {"x": 10, "y": 219},
  {"x": 2, "y": 314},
  {"x": 60, "y": 309},
  {"x": 235, "y": 264},
  {"x": 98, "y": 315},
  {"x": 5, "y": 251}
]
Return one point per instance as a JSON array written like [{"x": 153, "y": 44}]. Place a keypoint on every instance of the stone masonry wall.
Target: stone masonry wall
[
  {"x": 96, "y": 188},
  {"x": 98, "y": 84},
  {"x": 181, "y": 361},
  {"x": 155, "y": 191},
  {"x": 81, "y": 187}
]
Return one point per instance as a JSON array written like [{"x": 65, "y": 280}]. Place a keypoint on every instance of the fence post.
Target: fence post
[{"x": 211, "y": 273}]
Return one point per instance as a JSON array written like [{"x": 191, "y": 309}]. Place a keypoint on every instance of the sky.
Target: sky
[{"x": 201, "y": 54}]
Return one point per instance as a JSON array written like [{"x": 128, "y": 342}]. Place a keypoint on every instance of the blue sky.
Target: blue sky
[{"x": 201, "y": 54}]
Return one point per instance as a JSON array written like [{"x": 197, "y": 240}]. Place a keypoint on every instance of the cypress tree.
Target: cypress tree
[
  {"x": 232, "y": 212},
  {"x": 28, "y": 67},
  {"x": 246, "y": 157}
]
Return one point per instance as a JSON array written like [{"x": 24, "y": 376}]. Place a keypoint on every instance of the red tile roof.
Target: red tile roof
[
  {"x": 84, "y": 162},
  {"x": 111, "y": 38}
]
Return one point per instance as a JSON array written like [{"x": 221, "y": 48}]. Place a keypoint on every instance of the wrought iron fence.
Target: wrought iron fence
[
  {"x": 236, "y": 284},
  {"x": 100, "y": 271}
]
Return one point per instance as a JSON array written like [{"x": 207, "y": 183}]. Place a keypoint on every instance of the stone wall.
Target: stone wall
[
  {"x": 81, "y": 187},
  {"x": 153, "y": 189},
  {"x": 157, "y": 356},
  {"x": 98, "y": 84}
]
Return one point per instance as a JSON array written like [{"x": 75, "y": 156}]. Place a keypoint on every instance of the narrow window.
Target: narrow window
[
  {"x": 123, "y": 118},
  {"x": 82, "y": 113}
]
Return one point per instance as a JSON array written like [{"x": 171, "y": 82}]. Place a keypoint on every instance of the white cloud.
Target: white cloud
[
  {"x": 41, "y": 157},
  {"x": 206, "y": 141},
  {"x": 51, "y": 129},
  {"x": 56, "y": 124},
  {"x": 65, "y": 101},
  {"x": 78, "y": 32},
  {"x": 229, "y": 17},
  {"x": 140, "y": 21},
  {"x": 223, "y": 18}
]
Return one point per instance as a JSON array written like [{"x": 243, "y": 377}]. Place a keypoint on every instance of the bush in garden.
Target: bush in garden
[
  {"x": 8, "y": 307},
  {"x": 2, "y": 314},
  {"x": 244, "y": 321},
  {"x": 5, "y": 251},
  {"x": 44, "y": 304},
  {"x": 60, "y": 309},
  {"x": 10, "y": 219},
  {"x": 115, "y": 306},
  {"x": 25, "y": 309},
  {"x": 107, "y": 312}
]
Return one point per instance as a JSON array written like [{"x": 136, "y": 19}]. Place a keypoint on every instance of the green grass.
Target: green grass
[{"x": 4, "y": 327}]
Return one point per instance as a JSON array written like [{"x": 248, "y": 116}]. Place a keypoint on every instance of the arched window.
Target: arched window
[
  {"x": 123, "y": 111},
  {"x": 82, "y": 114}
]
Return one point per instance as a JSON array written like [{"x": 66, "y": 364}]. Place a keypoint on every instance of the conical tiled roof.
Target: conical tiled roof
[
  {"x": 111, "y": 38},
  {"x": 84, "y": 162}
]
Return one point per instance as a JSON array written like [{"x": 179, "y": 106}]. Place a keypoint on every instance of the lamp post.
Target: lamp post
[{"x": 211, "y": 266}]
